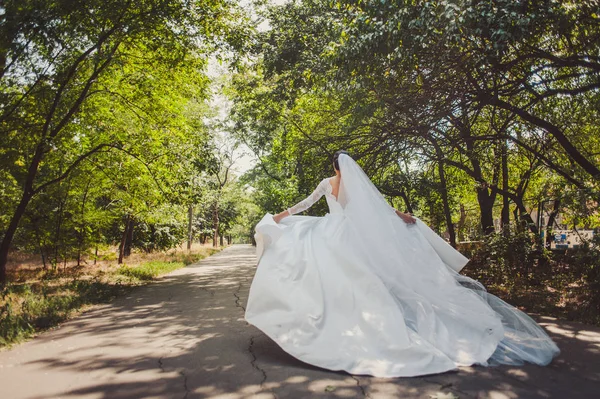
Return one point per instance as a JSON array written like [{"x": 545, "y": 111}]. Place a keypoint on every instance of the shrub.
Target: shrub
[
  {"x": 584, "y": 263},
  {"x": 508, "y": 260}
]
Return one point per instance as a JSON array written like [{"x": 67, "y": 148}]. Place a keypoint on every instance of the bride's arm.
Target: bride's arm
[
  {"x": 407, "y": 217},
  {"x": 305, "y": 203}
]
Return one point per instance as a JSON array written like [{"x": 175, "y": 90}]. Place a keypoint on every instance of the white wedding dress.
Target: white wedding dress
[{"x": 360, "y": 290}]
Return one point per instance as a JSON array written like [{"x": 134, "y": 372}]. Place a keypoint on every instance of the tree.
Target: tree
[{"x": 55, "y": 59}]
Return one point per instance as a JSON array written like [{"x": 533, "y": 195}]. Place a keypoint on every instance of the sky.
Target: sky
[{"x": 244, "y": 160}]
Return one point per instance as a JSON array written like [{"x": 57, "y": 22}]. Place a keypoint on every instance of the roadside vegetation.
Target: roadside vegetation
[
  {"x": 37, "y": 299},
  {"x": 563, "y": 284}
]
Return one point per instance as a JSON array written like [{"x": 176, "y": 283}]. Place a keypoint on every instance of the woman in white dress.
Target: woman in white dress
[{"x": 370, "y": 290}]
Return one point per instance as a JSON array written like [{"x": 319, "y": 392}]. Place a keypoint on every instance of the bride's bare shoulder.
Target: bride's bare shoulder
[{"x": 333, "y": 181}]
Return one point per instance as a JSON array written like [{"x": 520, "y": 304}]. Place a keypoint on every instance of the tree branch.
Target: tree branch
[
  {"x": 555, "y": 131},
  {"x": 71, "y": 167}
]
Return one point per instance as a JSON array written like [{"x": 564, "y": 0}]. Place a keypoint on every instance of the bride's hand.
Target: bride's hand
[
  {"x": 277, "y": 218},
  {"x": 406, "y": 217}
]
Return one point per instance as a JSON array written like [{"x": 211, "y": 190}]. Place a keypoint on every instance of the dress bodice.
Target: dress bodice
[{"x": 332, "y": 202}]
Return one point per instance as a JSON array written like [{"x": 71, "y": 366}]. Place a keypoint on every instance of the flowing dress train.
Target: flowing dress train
[{"x": 359, "y": 290}]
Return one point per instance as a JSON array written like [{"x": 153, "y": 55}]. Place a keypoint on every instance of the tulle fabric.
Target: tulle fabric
[{"x": 360, "y": 290}]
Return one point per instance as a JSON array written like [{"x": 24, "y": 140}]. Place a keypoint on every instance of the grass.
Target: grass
[
  {"x": 28, "y": 308},
  {"x": 37, "y": 300},
  {"x": 150, "y": 270}
]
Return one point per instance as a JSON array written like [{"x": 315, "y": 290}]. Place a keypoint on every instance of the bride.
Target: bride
[{"x": 370, "y": 290}]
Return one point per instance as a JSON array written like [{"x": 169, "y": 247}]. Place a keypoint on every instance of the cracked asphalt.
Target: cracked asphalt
[{"x": 185, "y": 337}]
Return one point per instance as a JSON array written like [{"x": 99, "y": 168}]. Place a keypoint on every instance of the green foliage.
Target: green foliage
[
  {"x": 159, "y": 237},
  {"x": 101, "y": 115},
  {"x": 585, "y": 261},
  {"x": 508, "y": 260},
  {"x": 497, "y": 94}
]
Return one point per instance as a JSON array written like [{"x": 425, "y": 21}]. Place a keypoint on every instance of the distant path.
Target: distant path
[{"x": 185, "y": 337}]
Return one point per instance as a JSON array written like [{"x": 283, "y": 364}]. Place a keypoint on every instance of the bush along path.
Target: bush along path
[
  {"x": 40, "y": 299},
  {"x": 185, "y": 337}
]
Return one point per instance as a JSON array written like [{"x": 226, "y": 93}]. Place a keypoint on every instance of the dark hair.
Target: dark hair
[{"x": 337, "y": 154}]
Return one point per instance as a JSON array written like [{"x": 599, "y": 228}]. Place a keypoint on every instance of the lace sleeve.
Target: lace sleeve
[{"x": 311, "y": 199}]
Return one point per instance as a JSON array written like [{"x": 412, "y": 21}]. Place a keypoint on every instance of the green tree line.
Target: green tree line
[{"x": 103, "y": 109}]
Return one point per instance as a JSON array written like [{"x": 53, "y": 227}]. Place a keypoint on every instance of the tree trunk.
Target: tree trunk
[
  {"x": 38, "y": 238},
  {"x": 221, "y": 239},
  {"x": 129, "y": 237},
  {"x": 485, "y": 195},
  {"x": 486, "y": 200},
  {"x": 525, "y": 216},
  {"x": 58, "y": 231},
  {"x": 409, "y": 207},
  {"x": 121, "y": 246},
  {"x": 44, "y": 266},
  {"x": 190, "y": 217},
  {"x": 216, "y": 225},
  {"x": 461, "y": 223},
  {"x": 123, "y": 240},
  {"x": 518, "y": 225},
  {"x": 50, "y": 131},
  {"x": 505, "y": 215},
  {"x": 551, "y": 221},
  {"x": 10, "y": 233},
  {"x": 81, "y": 232},
  {"x": 444, "y": 192}
]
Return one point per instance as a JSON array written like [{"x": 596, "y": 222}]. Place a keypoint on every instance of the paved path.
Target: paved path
[{"x": 185, "y": 337}]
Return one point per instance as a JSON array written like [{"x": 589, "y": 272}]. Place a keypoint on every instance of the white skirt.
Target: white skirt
[{"x": 318, "y": 296}]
